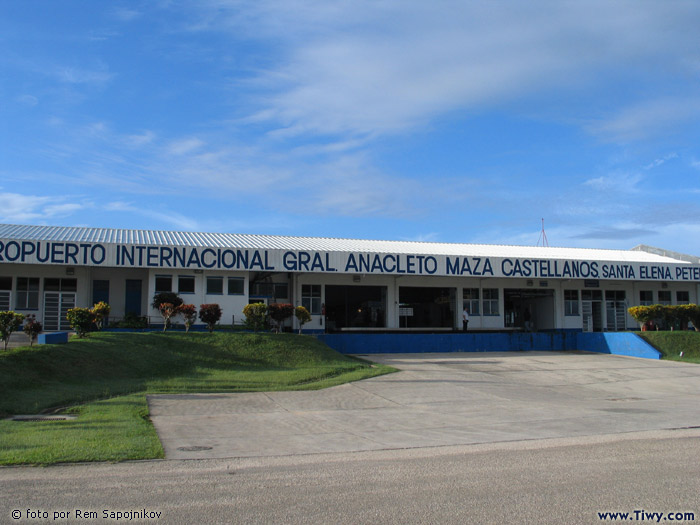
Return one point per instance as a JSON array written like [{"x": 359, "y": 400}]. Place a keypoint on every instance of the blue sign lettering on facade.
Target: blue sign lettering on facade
[{"x": 240, "y": 259}]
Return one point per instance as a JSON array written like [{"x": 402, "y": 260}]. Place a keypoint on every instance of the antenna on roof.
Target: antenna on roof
[{"x": 543, "y": 237}]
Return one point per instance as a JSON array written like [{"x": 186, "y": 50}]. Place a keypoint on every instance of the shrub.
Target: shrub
[
  {"x": 255, "y": 316},
  {"x": 32, "y": 328},
  {"x": 80, "y": 320},
  {"x": 101, "y": 311},
  {"x": 694, "y": 315},
  {"x": 189, "y": 314},
  {"x": 280, "y": 312},
  {"x": 641, "y": 314},
  {"x": 685, "y": 313},
  {"x": 9, "y": 322},
  {"x": 166, "y": 297},
  {"x": 302, "y": 315},
  {"x": 132, "y": 321},
  {"x": 210, "y": 315},
  {"x": 167, "y": 310}
]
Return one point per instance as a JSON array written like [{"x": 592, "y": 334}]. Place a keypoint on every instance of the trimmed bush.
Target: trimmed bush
[
  {"x": 101, "y": 311},
  {"x": 210, "y": 315},
  {"x": 9, "y": 322},
  {"x": 255, "y": 316},
  {"x": 302, "y": 315},
  {"x": 167, "y": 310},
  {"x": 81, "y": 320},
  {"x": 166, "y": 297},
  {"x": 280, "y": 312},
  {"x": 32, "y": 328},
  {"x": 189, "y": 315}
]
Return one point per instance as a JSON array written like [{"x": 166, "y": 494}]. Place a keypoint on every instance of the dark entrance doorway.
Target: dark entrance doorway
[
  {"x": 355, "y": 307},
  {"x": 132, "y": 303},
  {"x": 427, "y": 307},
  {"x": 529, "y": 309}
]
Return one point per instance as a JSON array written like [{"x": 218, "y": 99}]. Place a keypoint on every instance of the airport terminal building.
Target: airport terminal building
[{"x": 346, "y": 284}]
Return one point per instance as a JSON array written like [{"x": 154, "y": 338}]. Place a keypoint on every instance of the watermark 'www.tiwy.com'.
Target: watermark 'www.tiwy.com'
[{"x": 643, "y": 515}]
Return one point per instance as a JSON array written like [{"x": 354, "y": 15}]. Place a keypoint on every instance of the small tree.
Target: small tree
[
  {"x": 642, "y": 314},
  {"x": 101, "y": 311},
  {"x": 210, "y": 315},
  {"x": 255, "y": 316},
  {"x": 9, "y": 322},
  {"x": 32, "y": 328},
  {"x": 280, "y": 312},
  {"x": 302, "y": 315},
  {"x": 80, "y": 320},
  {"x": 189, "y": 314},
  {"x": 166, "y": 297},
  {"x": 167, "y": 310}
]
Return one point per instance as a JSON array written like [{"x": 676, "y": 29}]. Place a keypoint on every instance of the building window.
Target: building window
[
  {"x": 185, "y": 284},
  {"x": 571, "y": 302},
  {"x": 5, "y": 291},
  {"x": 5, "y": 283},
  {"x": 665, "y": 297},
  {"x": 236, "y": 285},
  {"x": 490, "y": 302},
  {"x": 60, "y": 285},
  {"x": 27, "y": 293},
  {"x": 682, "y": 297},
  {"x": 646, "y": 297},
  {"x": 281, "y": 290},
  {"x": 215, "y": 285},
  {"x": 311, "y": 298},
  {"x": 470, "y": 298},
  {"x": 164, "y": 283},
  {"x": 270, "y": 290}
]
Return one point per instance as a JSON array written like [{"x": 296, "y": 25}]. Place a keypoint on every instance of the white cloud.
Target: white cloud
[
  {"x": 18, "y": 208},
  {"x": 615, "y": 184},
  {"x": 74, "y": 75},
  {"x": 646, "y": 119},
  {"x": 184, "y": 146},
  {"x": 363, "y": 68},
  {"x": 28, "y": 100},
  {"x": 174, "y": 218},
  {"x": 662, "y": 160}
]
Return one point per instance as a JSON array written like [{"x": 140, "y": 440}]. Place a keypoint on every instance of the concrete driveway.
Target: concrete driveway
[{"x": 438, "y": 400}]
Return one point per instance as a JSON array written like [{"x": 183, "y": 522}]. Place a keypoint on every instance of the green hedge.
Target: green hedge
[{"x": 667, "y": 316}]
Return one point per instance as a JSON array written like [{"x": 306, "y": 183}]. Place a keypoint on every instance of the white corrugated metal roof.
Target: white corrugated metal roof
[{"x": 277, "y": 242}]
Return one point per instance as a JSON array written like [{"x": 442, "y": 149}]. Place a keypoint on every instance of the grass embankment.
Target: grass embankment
[
  {"x": 672, "y": 343},
  {"x": 92, "y": 377}
]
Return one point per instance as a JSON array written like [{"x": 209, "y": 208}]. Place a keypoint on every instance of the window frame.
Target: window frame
[
  {"x": 571, "y": 303},
  {"x": 26, "y": 291},
  {"x": 649, "y": 297},
  {"x": 682, "y": 301},
  {"x": 471, "y": 301},
  {"x": 161, "y": 278},
  {"x": 487, "y": 302},
  {"x": 190, "y": 278},
  {"x": 215, "y": 279},
  {"x": 240, "y": 280},
  {"x": 311, "y": 298}
]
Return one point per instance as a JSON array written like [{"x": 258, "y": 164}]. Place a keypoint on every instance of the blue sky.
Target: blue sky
[{"x": 446, "y": 121}]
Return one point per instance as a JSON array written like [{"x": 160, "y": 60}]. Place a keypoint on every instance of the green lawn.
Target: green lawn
[
  {"x": 104, "y": 379},
  {"x": 672, "y": 343}
]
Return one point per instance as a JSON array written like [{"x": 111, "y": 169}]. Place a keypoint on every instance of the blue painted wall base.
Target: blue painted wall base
[
  {"x": 618, "y": 343},
  {"x": 52, "y": 338}
]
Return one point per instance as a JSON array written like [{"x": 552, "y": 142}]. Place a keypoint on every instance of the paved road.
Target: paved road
[
  {"x": 438, "y": 400},
  {"x": 544, "y": 481},
  {"x": 454, "y": 438}
]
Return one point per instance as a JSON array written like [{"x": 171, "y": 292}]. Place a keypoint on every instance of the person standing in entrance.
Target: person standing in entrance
[{"x": 465, "y": 319}]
